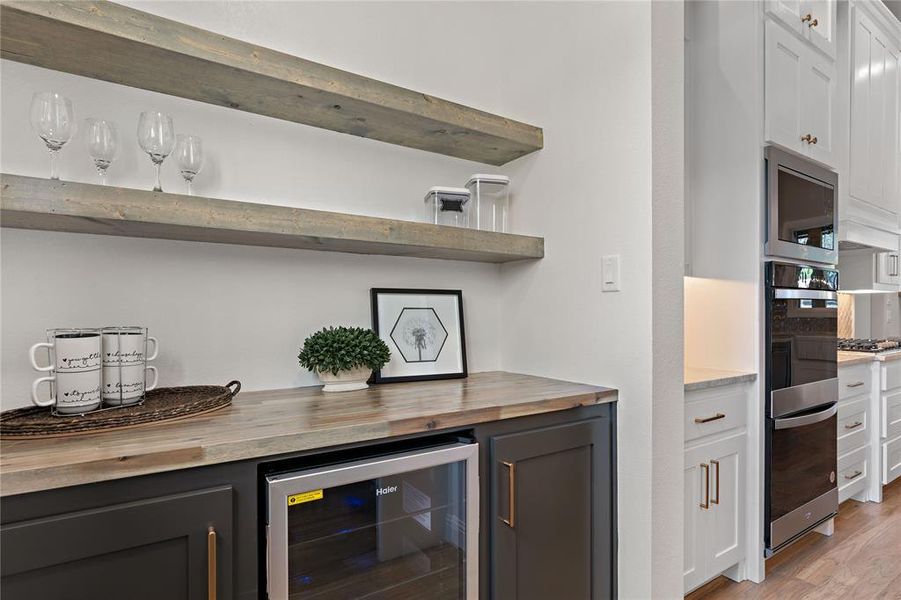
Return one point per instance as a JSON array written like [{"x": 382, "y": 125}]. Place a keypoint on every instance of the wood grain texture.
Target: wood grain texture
[
  {"x": 846, "y": 359},
  {"x": 44, "y": 204},
  {"x": 861, "y": 560},
  {"x": 260, "y": 424},
  {"x": 114, "y": 43}
]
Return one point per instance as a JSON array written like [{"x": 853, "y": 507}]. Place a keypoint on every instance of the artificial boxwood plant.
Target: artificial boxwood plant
[{"x": 335, "y": 349}]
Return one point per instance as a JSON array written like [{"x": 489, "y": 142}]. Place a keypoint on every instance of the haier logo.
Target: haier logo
[{"x": 386, "y": 490}]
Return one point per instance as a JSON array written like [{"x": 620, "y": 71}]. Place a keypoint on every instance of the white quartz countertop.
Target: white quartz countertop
[
  {"x": 699, "y": 378},
  {"x": 855, "y": 358}
]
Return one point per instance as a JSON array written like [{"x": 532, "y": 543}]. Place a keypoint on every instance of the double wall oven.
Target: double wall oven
[{"x": 802, "y": 400}]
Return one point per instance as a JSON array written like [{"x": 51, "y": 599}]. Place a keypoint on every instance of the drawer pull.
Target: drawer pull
[
  {"x": 211, "y": 563},
  {"x": 715, "y": 417},
  {"x": 854, "y": 425},
  {"x": 855, "y": 475},
  {"x": 511, "y": 521},
  {"x": 855, "y": 384},
  {"x": 716, "y": 463}
]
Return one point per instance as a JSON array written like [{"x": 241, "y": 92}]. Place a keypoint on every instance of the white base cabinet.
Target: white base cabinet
[
  {"x": 715, "y": 473},
  {"x": 890, "y": 421}
]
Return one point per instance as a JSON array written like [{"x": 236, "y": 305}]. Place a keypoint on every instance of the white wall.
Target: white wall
[{"x": 582, "y": 71}]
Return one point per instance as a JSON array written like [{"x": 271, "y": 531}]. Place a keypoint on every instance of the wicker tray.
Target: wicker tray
[{"x": 163, "y": 404}]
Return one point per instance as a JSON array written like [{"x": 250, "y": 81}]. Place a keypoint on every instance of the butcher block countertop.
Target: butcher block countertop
[{"x": 260, "y": 424}]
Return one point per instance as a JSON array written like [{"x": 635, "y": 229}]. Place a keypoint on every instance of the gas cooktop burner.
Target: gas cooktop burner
[{"x": 869, "y": 345}]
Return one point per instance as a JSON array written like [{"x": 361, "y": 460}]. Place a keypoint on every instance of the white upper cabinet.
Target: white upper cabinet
[
  {"x": 799, "y": 95},
  {"x": 812, "y": 20},
  {"x": 874, "y": 136}
]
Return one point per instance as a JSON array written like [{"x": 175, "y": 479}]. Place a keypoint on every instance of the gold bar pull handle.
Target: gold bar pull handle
[
  {"x": 854, "y": 425},
  {"x": 715, "y": 417},
  {"x": 706, "y": 503},
  {"x": 855, "y": 384},
  {"x": 716, "y": 463},
  {"x": 211, "y": 563},
  {"x": 511, "y": 517}
]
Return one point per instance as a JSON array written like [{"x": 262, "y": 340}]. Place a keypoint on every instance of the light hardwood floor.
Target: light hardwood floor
[{"x": 861, "y": 561}]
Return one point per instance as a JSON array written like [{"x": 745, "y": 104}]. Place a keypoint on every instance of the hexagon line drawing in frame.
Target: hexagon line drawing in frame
[{"x": 419, "y": 334}]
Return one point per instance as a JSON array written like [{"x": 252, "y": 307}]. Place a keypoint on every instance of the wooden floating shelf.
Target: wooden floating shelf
[
  {"x": 44, "y": 204},
  {"x": 114, "y": 43}
]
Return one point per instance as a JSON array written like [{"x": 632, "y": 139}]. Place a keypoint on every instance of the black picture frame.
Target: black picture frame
[{"x": 374, "y": 294}]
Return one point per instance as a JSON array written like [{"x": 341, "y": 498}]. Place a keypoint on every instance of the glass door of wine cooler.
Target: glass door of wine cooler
[{"x": 395, "y": 527}]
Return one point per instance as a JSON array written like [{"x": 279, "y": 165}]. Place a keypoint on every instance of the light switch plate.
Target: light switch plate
[{"x": 610, "y": 273}]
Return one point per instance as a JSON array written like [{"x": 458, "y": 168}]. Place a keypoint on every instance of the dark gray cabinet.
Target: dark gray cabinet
[
  {"x": 147, "y": 537},
  {"x": 174, "y": 547},
  {"x": 552, "y": 513}
]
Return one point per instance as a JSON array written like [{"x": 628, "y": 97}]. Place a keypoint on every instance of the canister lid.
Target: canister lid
[
  {"x": 484, "y": 178},
  {"x": 461, "y": 193}
]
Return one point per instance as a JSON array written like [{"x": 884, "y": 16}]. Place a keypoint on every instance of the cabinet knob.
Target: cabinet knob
[
  {"x": 813, "y": 23},
  {"x": 809, "y": 139},
  {"x": 807, "y": 18}
]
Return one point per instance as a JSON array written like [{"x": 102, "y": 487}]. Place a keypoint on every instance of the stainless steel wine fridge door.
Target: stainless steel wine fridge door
[{"x": 397, "y": 526}]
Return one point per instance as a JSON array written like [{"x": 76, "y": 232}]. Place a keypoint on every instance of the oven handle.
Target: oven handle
[
  {"x": 790, "y": 422},
  {"x": 793, "y": 294}
]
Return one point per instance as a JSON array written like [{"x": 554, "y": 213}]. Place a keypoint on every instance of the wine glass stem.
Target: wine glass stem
[
  {"x": 190, "y": 189},
  {"x": 102, "y": 175},
  {"x": 159, "y": 185},
  {"x": 54, "y": 164}
]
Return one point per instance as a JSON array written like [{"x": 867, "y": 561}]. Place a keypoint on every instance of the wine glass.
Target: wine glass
[
  {"x": 53, "y": 119},
  {"x": 156, "y": 135},
  {"x": 102, "y": 141},
  {"x": 189, "y": 155}
]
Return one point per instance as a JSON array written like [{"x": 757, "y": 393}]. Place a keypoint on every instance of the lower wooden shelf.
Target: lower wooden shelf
[{"x": 44, "y": 204}]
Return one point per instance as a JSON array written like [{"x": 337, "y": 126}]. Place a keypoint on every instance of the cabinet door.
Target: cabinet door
[
  {"x": 877, "y": 140},
  {"x": 892, "y": 121},
  {"x": 725, "y": 535},
  {"x": 819, "y": 29},
  {"x": 788, "y": 12},
  {"x": 783, "y": 88},
  {"x": 552, "y": 502},
  {"x": 888, "y": 269},
  {"x": 859, "y": 178},
  {"x": 696, "y": 506},
  {"x": 150, "y": 549},
  {"x": 817, "y": 91}
]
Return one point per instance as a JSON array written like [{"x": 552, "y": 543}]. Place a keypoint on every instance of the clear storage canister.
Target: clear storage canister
[
  {"x": 490, "y": 202},
  {"x": 447, "y": 206}
]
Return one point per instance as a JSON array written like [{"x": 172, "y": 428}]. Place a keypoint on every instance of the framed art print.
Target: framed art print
[{"x": 423, "y": 330}]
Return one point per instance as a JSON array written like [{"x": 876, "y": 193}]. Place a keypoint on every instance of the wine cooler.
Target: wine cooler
[{"x": 397, "y": 526}]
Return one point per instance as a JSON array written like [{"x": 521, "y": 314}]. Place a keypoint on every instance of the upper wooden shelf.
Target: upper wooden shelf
[
  {"x": 114, "y": 43},
  {"x": 32, "y": 203}
]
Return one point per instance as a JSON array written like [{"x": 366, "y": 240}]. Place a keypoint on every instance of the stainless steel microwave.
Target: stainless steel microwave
[{"x": 802, "y": 209}]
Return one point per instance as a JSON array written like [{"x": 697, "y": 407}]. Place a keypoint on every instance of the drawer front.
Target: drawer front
[
  {"x": 891, "y": 460},
  {"x": 891, "y": 375},
  {"x": 852, "y": 426},
  {"x": 853, "y": 469},
  {"x": 854, "y": 381},
  {"x": 714, "y": 411},
  {"x": 891, "y": 415}
]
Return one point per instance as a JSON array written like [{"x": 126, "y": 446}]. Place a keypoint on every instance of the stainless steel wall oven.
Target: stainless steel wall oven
[{"x": 802, "y": 400}]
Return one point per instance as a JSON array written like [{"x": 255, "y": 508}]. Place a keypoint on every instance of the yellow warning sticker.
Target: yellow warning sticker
[{"x": 304, "y": 497}]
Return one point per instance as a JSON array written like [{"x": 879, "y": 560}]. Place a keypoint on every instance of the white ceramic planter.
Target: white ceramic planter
[{"x": 346, "y": 381}]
